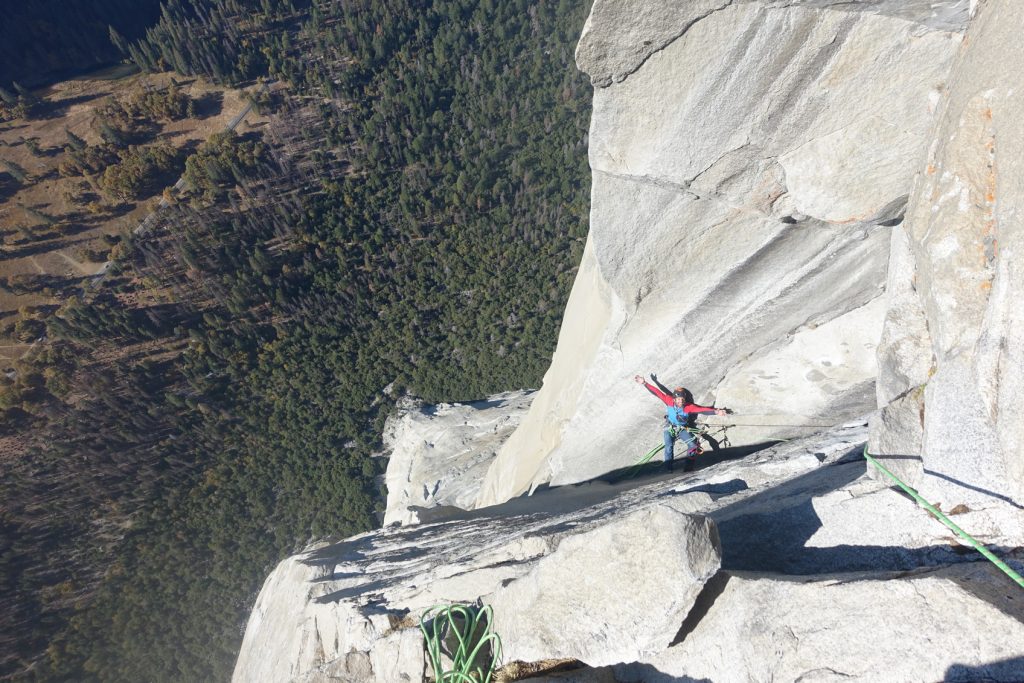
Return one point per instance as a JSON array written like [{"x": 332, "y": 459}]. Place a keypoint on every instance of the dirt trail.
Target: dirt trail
[{"x": 35, "y": 264}]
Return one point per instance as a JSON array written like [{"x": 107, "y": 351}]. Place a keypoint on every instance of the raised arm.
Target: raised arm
[
  {"x": 664, "y": 396},
  {"x": 661, "y": 386}
]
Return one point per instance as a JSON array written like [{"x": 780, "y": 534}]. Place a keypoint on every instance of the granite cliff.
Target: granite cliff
[
  {"x": 749, "y": 160},
  {"x": 806, "y": 211}
]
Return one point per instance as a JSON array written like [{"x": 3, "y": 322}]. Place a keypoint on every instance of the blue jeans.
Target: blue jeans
[{"x": 683, "y": 435}]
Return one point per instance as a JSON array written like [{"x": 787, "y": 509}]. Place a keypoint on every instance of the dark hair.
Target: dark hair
[{"x": 683, "y": 393}]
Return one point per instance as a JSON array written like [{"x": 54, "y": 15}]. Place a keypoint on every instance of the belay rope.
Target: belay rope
[
  {"x": 945, "y": 520},
  {"x": 988, "y": 554}
]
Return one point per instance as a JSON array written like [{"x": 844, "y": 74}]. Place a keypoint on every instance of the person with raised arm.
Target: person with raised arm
[{"x": 680, "y": 416}]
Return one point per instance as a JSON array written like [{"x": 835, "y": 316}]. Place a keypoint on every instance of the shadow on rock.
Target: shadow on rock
[
  {"x": 768, "y": 532},
  {"x": 484, "y": 405},
  {"x": 656, "y": 465},
  {"x": 977, "y": 489},
  {"x": 645, "y": 673},
  {"x": 359, "y": 590},
  {"x": 988, "y": 583},
  {"x": 715, "y": 491},
  {"x": 702, "y": 605},
  {"x": 709, "y": 458},
  {"x": 1005, "y": 670}
]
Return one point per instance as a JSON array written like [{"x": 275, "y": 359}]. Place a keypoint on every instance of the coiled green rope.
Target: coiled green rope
[
  {"x": 945, "y": 520},
  {"x": 471, "y": 628}
]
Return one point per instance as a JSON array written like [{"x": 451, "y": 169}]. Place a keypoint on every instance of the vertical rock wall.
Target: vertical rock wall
[
  {"x": 749, "y": 161},
  {"x": 952, "y": 358}
]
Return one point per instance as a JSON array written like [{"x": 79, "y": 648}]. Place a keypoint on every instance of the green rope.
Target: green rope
[
  {"x": 945, "y": 520},
  {"x": 643, "y": 461},
  {"x": 471, "y": 627},
  {"x": 695, "y": 431},
  {"x": 650, "y": 454}
]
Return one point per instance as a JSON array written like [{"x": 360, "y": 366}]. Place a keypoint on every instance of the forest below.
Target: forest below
[
  {"x": 46, "y": 39},
  {"x": 409, "y": 221}
]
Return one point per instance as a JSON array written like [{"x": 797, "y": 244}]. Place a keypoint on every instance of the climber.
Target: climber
[{"x": 680, "y": 416}]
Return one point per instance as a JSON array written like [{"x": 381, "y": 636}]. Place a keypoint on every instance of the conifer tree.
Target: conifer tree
[
  {"x": 16, "y": 171},
  {"x": 111, "y": 134},
  {"x": 33, "y": 147},
  {"x": 118, "y": 40},
  {"x": 38, "y": 215},
  {"x": 77, "y": 143},
  {"x": 24, "y": 94}
]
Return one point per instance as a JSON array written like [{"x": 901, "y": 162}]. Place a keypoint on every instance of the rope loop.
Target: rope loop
[{"x": 465, "y": 630}]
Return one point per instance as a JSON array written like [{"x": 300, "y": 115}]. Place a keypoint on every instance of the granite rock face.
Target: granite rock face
[
  {"x": 963, "y": 279},
  {"x": 749, "y": 161},
  {"x": 658, "y": 557},
  {"x": 897, "y": 436},
  {"x": 294, "y": 635},
  {"x": 764, "y": 629},
  {"x": 440, "y": 454},
  {"x": 811, "y": 555}
]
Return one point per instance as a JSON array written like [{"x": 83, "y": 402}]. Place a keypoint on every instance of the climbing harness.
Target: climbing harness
[
  {"x": 709, "y": 433},
  {"x": 945, "y": 520},
  {"x": 717, "y": 435},
  {"x": 697, "y": 432}
]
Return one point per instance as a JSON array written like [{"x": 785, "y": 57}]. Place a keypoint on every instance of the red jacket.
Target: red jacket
[{"x": 679, "y": 417}]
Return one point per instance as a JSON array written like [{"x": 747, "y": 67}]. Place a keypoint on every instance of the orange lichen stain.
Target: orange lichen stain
[
  {"x": 988, "y": 114},
  {"x": 990, "y": 185},
  {"x": 986, "y": 286},
  {"x": 852, "y": 219},
  {"x": 930, "y": 170}
]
